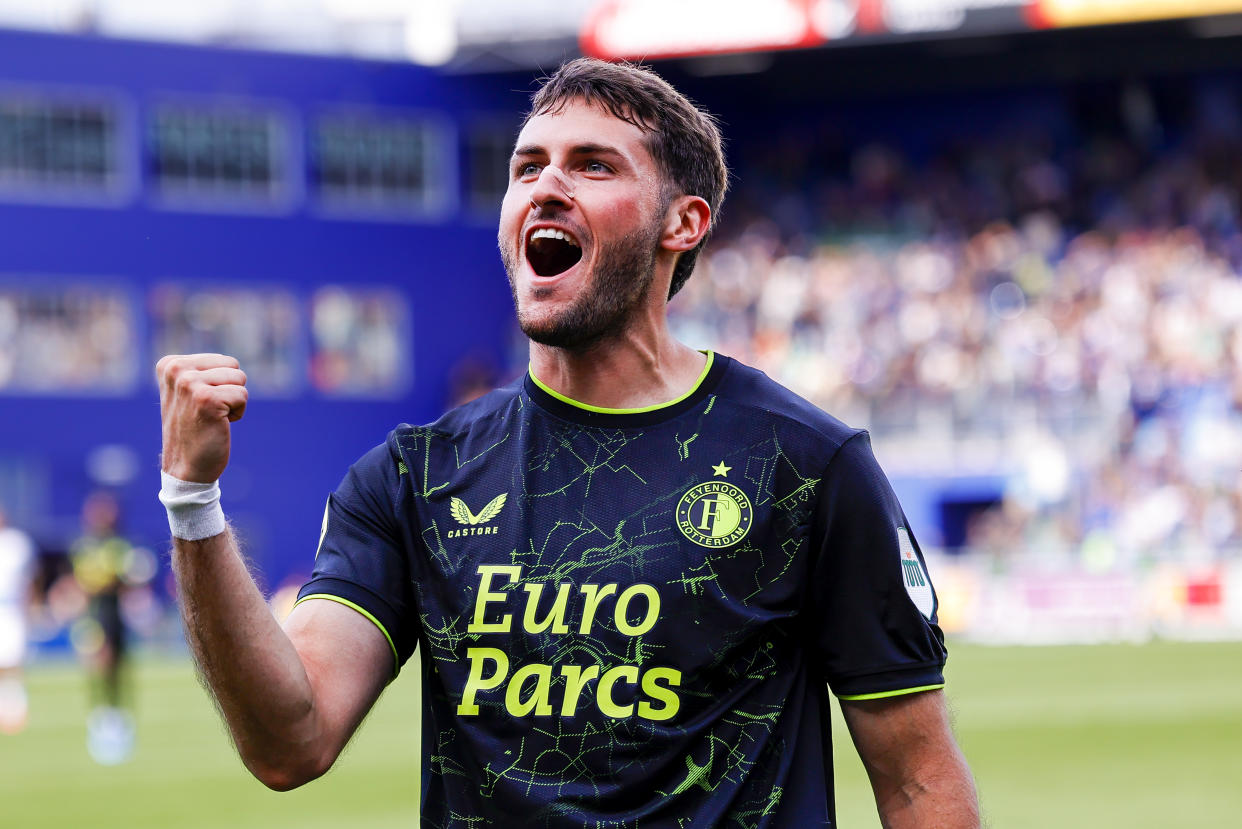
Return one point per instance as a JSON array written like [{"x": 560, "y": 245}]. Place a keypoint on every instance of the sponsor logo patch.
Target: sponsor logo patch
[
  {"x": 918, "y": 585},
  {"x": 473, "y": 522}
]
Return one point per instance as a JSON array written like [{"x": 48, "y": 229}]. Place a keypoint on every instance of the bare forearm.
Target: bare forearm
[
  {"x": 917, "y": 771},
  {"x": 291, "y": 697},
  {"x": 945, "y": 799},
  {"x": 248, "y": 662}
]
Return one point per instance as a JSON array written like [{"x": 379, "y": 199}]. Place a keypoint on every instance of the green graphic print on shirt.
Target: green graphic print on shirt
[{"x": 619, "y": 613}]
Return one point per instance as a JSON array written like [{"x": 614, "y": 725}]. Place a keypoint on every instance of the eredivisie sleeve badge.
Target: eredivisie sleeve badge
[{"x": 914, "y": 576}]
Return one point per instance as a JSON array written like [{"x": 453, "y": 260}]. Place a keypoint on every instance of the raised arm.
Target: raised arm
[
  {"x": 917, "y": 772},
  {"x": 291, "y": 697}
]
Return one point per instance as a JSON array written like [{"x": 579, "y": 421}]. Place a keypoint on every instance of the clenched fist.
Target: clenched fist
[{"x": 200, "y": 395}]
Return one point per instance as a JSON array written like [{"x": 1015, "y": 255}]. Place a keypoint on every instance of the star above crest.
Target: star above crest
[{"x": 721, "y": 470}]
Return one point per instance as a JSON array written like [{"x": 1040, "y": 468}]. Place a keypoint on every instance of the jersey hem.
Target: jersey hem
[
  {"x": 885, "y": 694},
  {"x": 396, "y": 660},
  {"x": 884, "y": 680}
]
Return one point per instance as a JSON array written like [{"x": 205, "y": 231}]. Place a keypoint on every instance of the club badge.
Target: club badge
[{"x": 715, "y": 513}]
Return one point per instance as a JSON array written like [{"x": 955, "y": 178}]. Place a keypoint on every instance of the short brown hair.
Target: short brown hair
[{"x": 683, "y": 139}]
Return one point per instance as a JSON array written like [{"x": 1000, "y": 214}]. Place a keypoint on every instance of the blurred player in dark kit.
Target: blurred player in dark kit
[
  {"x": 634, "y": 572},
  {"x": 105, "y": 565}
]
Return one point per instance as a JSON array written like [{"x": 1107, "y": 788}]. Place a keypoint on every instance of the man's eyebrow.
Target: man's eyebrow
[
  {"x": 578, "y": 149},
  {"x": 595, "y": 149}
]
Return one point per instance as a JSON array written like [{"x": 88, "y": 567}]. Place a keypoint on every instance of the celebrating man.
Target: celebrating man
[{"x": 634, "y": 573}]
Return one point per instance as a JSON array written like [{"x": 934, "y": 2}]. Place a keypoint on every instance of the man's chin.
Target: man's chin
[
  {"x": 589, "y": 308},
  {"x": 569, "y": 330},
  {"x": 557, "y": 336}
]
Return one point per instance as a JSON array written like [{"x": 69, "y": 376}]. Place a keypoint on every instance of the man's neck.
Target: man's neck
[{"x": 635, "y": 370}]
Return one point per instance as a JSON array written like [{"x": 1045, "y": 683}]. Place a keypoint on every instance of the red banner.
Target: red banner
[
  {"x": 651, "y": 29},
  {"x": 642, "y": 29}
]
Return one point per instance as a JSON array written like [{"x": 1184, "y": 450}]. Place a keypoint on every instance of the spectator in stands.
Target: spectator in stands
[{"x": 1091, "y": 291}]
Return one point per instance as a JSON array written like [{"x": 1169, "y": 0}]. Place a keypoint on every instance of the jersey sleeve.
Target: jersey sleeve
[
  {"x": 872, "y": 606},
  {"x": 361, "y": 561}
]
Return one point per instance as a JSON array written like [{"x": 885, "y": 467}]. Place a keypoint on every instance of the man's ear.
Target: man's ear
[{"x": 686, "y": 223}]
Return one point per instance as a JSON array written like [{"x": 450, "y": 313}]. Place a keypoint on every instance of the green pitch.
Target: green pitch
[{"x": 1112, "y": 736}]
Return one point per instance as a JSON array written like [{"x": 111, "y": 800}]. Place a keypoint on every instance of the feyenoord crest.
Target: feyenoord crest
[{"x": 714, "y": 513}]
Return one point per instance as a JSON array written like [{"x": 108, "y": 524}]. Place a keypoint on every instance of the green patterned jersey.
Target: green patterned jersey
[{"x": 632, "y": 618}]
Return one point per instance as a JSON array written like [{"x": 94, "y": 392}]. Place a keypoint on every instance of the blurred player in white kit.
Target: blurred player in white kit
[{"x": 17, "y": 560}]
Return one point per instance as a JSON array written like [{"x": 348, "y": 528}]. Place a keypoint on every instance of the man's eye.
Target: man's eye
[
  {"x": 596, "y": 167},
  {"x": 524, "y": 170}
]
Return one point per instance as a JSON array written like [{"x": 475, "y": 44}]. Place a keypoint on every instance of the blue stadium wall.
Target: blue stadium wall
[{"x": 291, "y": 449}]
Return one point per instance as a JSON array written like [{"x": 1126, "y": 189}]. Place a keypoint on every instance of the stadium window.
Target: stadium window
[
  {"x": 360, "y": 342},
  {"x": 59, "y": 148},
  {"x": 66, "y": 339},
  {"x": 488, "y": 147},
  {"x": 261, "y": 327},
  {"x": 219, "y": 156},
  {"x": 381, "y": 164}
]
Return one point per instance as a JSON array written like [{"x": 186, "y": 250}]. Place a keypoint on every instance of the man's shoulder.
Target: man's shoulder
[
  {"x": 474, "y": 419},
  {"x": 388, "y": 462},
  {"x": 476, "y": 413},
  {"x": 751, "y": 390}
]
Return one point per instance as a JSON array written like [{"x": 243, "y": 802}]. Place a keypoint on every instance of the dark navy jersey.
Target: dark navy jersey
[{"x": 632, "y": 618}]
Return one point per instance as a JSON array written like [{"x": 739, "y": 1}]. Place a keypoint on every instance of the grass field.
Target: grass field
[{"x": 1100, "y": 737}]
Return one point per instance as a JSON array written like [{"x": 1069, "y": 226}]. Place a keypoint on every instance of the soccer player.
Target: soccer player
[
  {"x": 634, "y": 573},
  {"x": 17, "y": 569},
  {"x": 104, "y": 564}
]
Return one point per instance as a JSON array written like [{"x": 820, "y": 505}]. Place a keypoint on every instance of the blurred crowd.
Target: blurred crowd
[
  {"x": 1064, "y": 315},
  {"x": 79, "y": 338},
  {"x": 259, "y": 326},
  {"x": 359, "y": 339},
  {"x": 59, "y": 336}
]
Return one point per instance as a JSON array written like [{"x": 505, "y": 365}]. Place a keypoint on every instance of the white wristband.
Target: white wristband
[{"x": 194, "y": 511}]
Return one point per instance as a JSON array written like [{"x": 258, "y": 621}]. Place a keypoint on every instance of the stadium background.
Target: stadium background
[{"x": 1004, "y": 236}]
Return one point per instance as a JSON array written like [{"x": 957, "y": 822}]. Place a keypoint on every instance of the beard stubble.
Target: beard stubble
[{"x": 607, "y": 302}]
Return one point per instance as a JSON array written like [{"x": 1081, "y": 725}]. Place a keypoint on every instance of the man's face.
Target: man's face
[{"x": 580, "y": 225}]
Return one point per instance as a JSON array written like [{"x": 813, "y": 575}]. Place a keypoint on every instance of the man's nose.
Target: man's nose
[{"x": 552, "y": 187}]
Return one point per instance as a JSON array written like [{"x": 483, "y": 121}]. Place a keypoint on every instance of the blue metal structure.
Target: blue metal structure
[
  {"x": 438, "y": 258},
  {"x": 288, "y": 226}
]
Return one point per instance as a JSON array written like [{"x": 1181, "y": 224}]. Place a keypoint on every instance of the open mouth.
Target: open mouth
[{"x": 551, "y": 252}]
